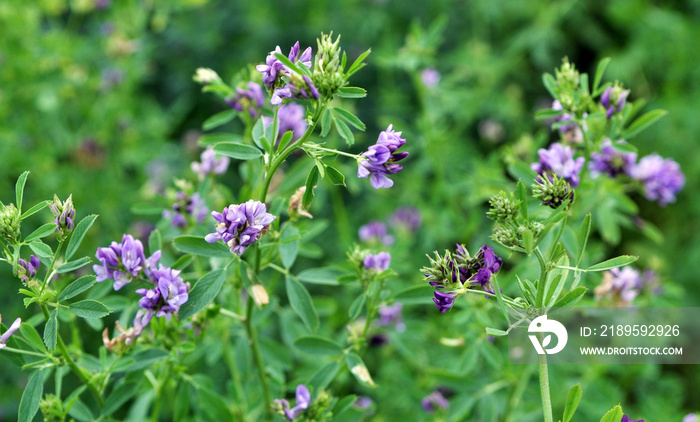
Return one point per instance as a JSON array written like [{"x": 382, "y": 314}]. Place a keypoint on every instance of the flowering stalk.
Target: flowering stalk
[{"x": 544, "y": 386}]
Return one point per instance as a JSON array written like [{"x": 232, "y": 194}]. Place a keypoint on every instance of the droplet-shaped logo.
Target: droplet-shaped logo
[{"x": 543, "y": 325}]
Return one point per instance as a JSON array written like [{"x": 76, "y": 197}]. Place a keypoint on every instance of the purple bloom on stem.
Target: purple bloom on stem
[
  {"x": 409, "y": 218},
  {"x": 434, "y": 401},
  {"x": 6, "y": 335},
  {"x": 626, "y": 418},
  {"x": 271, "y": 68},
  {"x": 303, "y": 400},
  {"x": 239, "y": 226},
  {"x": 122, "y": 261},
  {"x": 186, "y": 205},
  {"x": 566, "y": 117},
  {"x": 444, "y": 301},
  {"x": 210, "y": 164},
  {"x": 291, "y": 117},
  {"x": 391, "y": 315},
  {"x": 378, "y": 262},
  {"x": 627, "y": 282},
  {"x": 27, "y": 270},
  {"x": 560, "y": 160},
  {"x": 485, "y": 264},
  {"x": 167, "y": 296},
  {"x": 375, "y": 231},
  {"x": 380, "y": 159},
  {"x": 690, "y": 417},
  {"x": 430, "y": 77},
  {"x": 250, "y": 99},
  {"x": 611, "y": 161},
  {"x": 613, "y": 100},
  {"x": 662, "y": 178}
]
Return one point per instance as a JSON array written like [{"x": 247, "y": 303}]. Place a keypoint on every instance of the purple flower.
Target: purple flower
[
  {"x": 483, "y": 266},
  {"x": 239, "y": 226},
  {"x": 560, "y": 160},
  {"x": 6, "y": 336},
  {"x": 294, "y": 85},
  {"x": 430, "y": 77},
  {"x": 613, "y": 100},
  {"x": 566, "y": 117},
  {"x": 250, "y": 99},
  {"x": 626, "y": 418},
  {"x": 626, "y": 282},
  {"x": 299, "y": 86},
  {"x": 380, "y": 159},
  {"x": 375, "y": 231},
  {"x": 27, "y": 270},
  {"x": 165, "y": 299},
  {"x": 291, "y": 117},
  {"x": 662, "y": 178},
  {"x": 123, "y": 261},
  {"x": 434, "y": 401},
  {"x": 303, "y": 399},
  {"x": 391, "y": 315},
  {"x": 610, "y": 161},
  {"x": 444, "y": 301},
  {"x": 364, "y": 403},
  {"x": 378, "y": 262},
  {"x": 271, "y": 68},
  {"x": 690, "y": 417},
  {"x": 184, "y": 206},
  {"x": 210, "y": 164},
  {"x": 408, "y": 218},
  {"x": 64, "y": 213}
]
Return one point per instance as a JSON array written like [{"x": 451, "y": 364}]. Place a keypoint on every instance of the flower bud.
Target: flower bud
[
  {"x": 9, "y": 223},
  {"x": 296, "y": 208},
  {"x": 504, "y": 207},
  {"x": 206, "y": 76},
  {"x": 567, "y": 79},
  {"x": 65, "y": 214},
  {"x": 327, "y": 75},
  {"x": 553, "y": 191}
]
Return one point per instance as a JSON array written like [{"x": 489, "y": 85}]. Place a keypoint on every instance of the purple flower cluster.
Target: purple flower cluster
[
  {"x": 165, "y": 299},
  {"x": 392, "y": 315},
  {"x": 64, "y": 213},
  {"x": 250, "y": 99},
  {"x": 210, "y": 164},
  {"x": 434, "y": 401},
  {"x": 559, "y": 159},
  {"x": 27, "y": 270},
  {"x": 626, "y": 418},
  {"x": 375, "y": 231},
  {"x": 6, "y": 336},
  {"x": 407, "y": 218},
  {"x": 566, "y": 117},
  {"x": 622, "y": 285},
  {"x": 186, "y": 205},
  {"x": 378, "y": 262},
  {"x": 690, "y": 417},
  {"x": 123, "y": 261},
  {"x": 662, "y": 178},
  {"x": 380, "y": 159},
  {"x": 291, "y": 117},
  {"x": 303, "y": 398},
  {"x": 239, "y": 226},
  {"x": 286, "y": 82},
  {"x": 611, "y": 161},
  {"x": 613, "y": 100}
]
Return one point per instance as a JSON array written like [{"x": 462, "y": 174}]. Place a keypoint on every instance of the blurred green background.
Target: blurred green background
[{"x": 97, "y": 100}]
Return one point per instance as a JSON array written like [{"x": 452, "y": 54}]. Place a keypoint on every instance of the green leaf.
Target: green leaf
[
  {"x": 144, "y": 359},
  {"x": 344, "y": 404},
  {"x": 35, "y": 209},
  {"x": 528, "y": 240},
  {"x": 643, "y": 122},
  {"x": 337, "y": 178},
  {"x": 89, "y": 308},
  {"x": 356, "y": 306},
  {"x": 326, "y": 122},
  {"x": 19, "y": 189},
  {"x": 614, "y": 415},
  {"x": 301, "y": 302},
  {"x": 624, "y": 147},
  {"x": 237, "y": 151},
  {"x": 324, "y": 275},
  {"x": 359, "y": 370},
  {"x": 571, "y": 298},
  {"x": 311, "y": 180},
  {"x": 289, "y": 245},
  {"x": 81, "y": 412},
  {"x": 198, "y": 246},
  {"x": 573, "y": 398},
  {"x": 213, "y": 405},
  {"x": 324, "y": 376},
  {"x": 41, "y": 249},
  {"x": 583, "y": 238},
  {"x": 29, "y": 404},
  {"x": 77, "y": 287},
  {"x": 31, "y": 335},
  {"x": 521, "y": 195},
  {"x": 118, "y": 397},
  {"x": 215, "y": 138},
  {"x": 548, "y": 113},
  {"x": 41, "y": 232},
  {"x": 286, "y": 138},
  {"x": 182, "y": 402},
  {"x": 203, "y": 292},
  {"x": 50, "y": 330},
  {"x": 349, "y": 118},
  {"x": 183, "y": 262},
  {"x": 219, "y": 119},
  {"x": 344, "y": 132},
  {"x": 352, "y": 92},
  {"x": 78, "y": 234},
  {"x": 600, "y": 70},
  {"x": 613, "y": 263},
  {"x": 73, "y": 265},
  {"x": 358, "y": 64},
  {"x": 155, "y": 242},
  {"x": 550, "y": 84},
  {"x": 495, "y": 333},
  {"x": 285, "y": 61},
  {"x": 315, "y": 345},
  {"x": 584, "y": 84}
]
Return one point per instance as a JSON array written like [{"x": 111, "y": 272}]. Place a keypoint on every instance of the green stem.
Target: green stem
[
  {"x": 24, "y": 352},
  {"x": 544, "y": 388},
  {"x": 257, "y": 356},
  {"x": 505, "y": 299},
  {"x": 542, "y": 283},
  {"x": 333, "y": 151},
  {"x": 50, "y": 269},
  {"x": 78, "y": 371}
]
